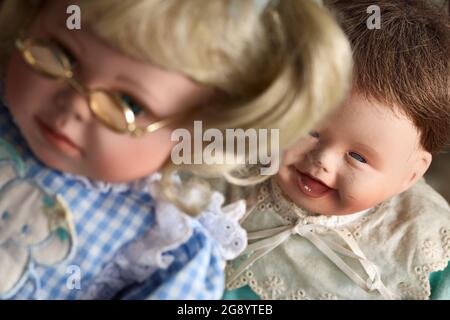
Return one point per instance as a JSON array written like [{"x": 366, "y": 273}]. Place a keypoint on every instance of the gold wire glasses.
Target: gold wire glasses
[{"x": 110, "y": 108}]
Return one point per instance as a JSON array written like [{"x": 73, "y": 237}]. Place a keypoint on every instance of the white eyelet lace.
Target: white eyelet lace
[
  {"x": 272, "y": 238},
  {"x": 310, "y": 226}
]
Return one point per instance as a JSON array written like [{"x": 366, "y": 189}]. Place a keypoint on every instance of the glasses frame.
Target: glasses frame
[{"x": 25, "y": 44}]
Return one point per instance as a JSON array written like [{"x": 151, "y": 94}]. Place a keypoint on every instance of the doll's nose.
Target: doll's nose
[
  {"x": 321, "y": 165},
  {"x": 321, "y": 159},
  {"x": 73, "y": 103}
]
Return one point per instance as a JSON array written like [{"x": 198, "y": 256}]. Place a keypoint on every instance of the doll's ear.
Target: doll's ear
[{"x": 423, "y": 162}]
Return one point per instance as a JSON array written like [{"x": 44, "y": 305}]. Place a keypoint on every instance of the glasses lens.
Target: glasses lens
[
  {"x": 107, "y": 109},
  {"x": 46, "y": 60}
]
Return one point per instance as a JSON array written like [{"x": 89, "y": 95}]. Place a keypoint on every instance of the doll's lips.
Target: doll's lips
[
  {"x": 312, "y": 187},
  {"x": 57, "y": 139}
]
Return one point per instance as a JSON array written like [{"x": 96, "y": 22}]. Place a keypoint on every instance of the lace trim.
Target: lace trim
[
  {"x": 423, "y": 272},
  {"x": 273, "y": 287},
  {"x": 139, "y": 259},
  {"x": 222, "y": 224}
]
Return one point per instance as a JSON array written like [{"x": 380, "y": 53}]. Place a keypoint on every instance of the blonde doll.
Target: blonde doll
[{"x": 87, "y": 126}]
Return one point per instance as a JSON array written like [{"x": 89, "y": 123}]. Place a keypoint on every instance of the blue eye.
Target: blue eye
[
  {"x": 6, "y": 216},
  {"x": 357, "y": 157},
  {"x": 25, "y": 229},
  {"x": 314, "y": 134},
  {"x": 136, "y": 108}
]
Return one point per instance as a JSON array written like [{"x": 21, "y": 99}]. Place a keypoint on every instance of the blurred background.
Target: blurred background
[{"x": 438, "y": 175}]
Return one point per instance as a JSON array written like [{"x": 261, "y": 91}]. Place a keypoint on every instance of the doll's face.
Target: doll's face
[
  {"x": 57, "y": 122},
  {"x": 360, "y": 156}
]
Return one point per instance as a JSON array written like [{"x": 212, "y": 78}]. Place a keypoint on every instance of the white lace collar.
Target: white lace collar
[
  {"x": 313, "y": 227},
  {"x": 395, "y": 247}
]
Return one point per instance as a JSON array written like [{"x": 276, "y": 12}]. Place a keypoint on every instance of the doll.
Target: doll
[{"x": 348, "y": 215}]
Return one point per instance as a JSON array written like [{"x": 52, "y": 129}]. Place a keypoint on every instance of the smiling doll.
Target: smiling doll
[{"x": 348, "y": 215}]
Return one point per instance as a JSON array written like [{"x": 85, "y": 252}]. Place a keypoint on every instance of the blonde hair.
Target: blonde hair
[{"x": 281, "y": 65}]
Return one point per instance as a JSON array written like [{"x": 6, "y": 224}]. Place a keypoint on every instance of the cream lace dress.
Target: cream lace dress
[{"x": 386, "y": 252}]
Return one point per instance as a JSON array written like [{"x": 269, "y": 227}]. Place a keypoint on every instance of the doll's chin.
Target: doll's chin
[
  {"x": 51, "y": 160},
  {"x": 315, "y": 205}
]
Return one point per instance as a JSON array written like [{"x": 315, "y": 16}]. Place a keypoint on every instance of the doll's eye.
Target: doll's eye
[
  {"x": 357, "y": 157},
  {"x": 314, "y": 134},
  {"x": 67, "y": 53},
  {"x": 70, "y": 56},
  {"x": 26, "y": 229},
  {"x": 132, "y": 104},
  {"x": 6, "y": 216}
]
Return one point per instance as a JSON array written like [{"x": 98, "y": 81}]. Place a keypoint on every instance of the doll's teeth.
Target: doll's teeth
[{"x": 307, "y": 188}]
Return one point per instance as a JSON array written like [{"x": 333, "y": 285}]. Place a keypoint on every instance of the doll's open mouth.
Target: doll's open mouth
[
  {"x": 60, "y": 141},
  {"x": 312, "y": 187}
]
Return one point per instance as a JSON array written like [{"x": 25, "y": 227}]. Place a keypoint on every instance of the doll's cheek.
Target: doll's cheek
[
  {"x": 361, "y": 199},
  {"x": 22, "y": 86},
  {"x": 119, "y": 161},
  {"x": 12, "y": 82}
]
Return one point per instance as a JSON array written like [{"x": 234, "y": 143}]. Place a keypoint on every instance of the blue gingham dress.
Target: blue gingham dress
[{"x": 107, "y": 217}]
